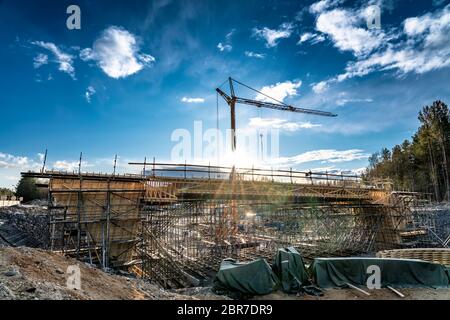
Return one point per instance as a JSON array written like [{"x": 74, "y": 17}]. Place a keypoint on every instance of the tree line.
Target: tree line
[
  {"x": 422, "y": 163},
  {"x": 27, "y": 189}
]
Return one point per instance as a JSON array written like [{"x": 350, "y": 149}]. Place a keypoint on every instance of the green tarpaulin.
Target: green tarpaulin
[
  {"x": 337, "y": 272},
  {"x": 290, "y": 269},
  {"x": 253, "y": 278}
]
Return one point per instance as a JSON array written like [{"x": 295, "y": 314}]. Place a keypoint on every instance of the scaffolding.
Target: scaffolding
[{"x": 173, "y": 224}]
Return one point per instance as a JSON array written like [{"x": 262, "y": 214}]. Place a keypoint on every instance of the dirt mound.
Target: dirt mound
[{"x": 34, "y": 274}]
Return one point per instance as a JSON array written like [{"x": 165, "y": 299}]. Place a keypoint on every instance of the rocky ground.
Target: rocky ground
[{"x": 35, "y": 274}]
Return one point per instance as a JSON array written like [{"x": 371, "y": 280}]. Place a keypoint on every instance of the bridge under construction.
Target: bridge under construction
[{"x": 174, "y": 223}]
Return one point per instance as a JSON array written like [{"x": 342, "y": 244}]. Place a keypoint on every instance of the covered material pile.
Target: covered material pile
[
  {"x": 245, "y": 279},
  {"x": 291, "y": 270},
  {"x": 289, "y": 274},
  {"x": 400, "y": 273}
]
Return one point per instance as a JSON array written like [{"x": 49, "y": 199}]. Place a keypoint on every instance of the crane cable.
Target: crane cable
[
  {"x": 267, "y": 96},
  {"x": 217, "y": 128},
  {"x": 260, "y": 137}
]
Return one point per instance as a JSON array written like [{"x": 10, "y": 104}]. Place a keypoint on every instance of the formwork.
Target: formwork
[{"x": 95, "y": 216}]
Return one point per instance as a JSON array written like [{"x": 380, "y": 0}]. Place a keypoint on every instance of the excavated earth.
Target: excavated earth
[{"x": 35, "y": 274}]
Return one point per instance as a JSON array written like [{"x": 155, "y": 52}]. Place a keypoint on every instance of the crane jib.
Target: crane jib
[{"x": 232, "y": 100}]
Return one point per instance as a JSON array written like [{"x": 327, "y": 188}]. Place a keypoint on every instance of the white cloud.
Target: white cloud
[
  {"x": 320, "y": 87},
  {"x": 40, "y": 60},
  {"x": 335, "y": 170},
  {"x": 281, "y": 124},
  {"x": 117, "y": 53},
  {"x": 343, "y": 102},
  {"x": 65, "y": 165},
  {"x": 421, "y": 46},
  {"x": 224, "y": 47},
  {"x": 64, "y": 60},
  {"x": 146, "y": 59},
  {"x": 251, "y": 54},
  {"x": 324, "y": 156},
  {"x": 279, "y": 91},
  {"x": 192, "y": 100},
  {"x": 41, "y": 156},
  {"x": 90, "y": 91},
  {"x": 359, "y": 171},
  {"x": 9, "y": 161},
  {"x": 427, "y": 48},
  {"x": 314, "y": 38},
  {"x": 431, "y": 29},
  {"x": 343, "y": 27},
  {"x": 414, "y": 26},
  {"x": 12, "y": 165},
  {"x": 323, "y": 5},
  {"x": 230, "y": 34},
  {"x": 271, "y": 36}
]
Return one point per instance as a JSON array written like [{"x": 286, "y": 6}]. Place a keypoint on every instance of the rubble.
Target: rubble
[
  {"x": 203, "y": 293},
  {"x": 24, "y": 225}
]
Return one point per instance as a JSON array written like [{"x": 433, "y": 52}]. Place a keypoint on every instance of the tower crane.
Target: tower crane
[{"x": 232, "y": 100}]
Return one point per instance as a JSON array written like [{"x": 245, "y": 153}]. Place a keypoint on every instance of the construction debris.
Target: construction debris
[{"x": 24, "y": 225}]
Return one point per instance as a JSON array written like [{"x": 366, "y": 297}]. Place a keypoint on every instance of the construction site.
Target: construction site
[
  {"x": 225, "y": 150},
  {"x": 173, "y": 225}
]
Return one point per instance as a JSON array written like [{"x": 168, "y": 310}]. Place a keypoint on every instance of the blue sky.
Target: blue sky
[{"x": 138, "y": 70}]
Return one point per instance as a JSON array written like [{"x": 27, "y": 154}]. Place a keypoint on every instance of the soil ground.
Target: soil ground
[
  {"x": 34, "y": 274},
  {"x": 382, "y": 294}
]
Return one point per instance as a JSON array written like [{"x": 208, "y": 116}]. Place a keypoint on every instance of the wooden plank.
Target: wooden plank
[
  {"x": 359, "y": 289},
  {"x": 396, "y": 292}
]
